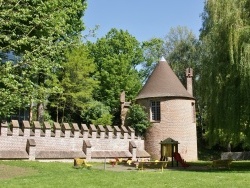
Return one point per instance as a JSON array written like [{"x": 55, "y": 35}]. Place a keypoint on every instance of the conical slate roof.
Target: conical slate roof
[{"x": 163, "y": 83}]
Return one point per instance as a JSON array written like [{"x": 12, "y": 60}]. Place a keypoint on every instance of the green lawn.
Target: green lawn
[{"x": 55, "y": 174}]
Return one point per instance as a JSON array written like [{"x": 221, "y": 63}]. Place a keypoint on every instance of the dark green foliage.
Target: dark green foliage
[
  {"x": 96, "y": 113},
  {"x": 138, "y": 119}
]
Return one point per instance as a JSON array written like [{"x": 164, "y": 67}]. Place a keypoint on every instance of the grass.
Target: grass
[{"x": 56, "y": 174}]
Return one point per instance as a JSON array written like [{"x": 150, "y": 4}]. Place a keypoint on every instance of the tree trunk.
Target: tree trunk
[
  {"x": 40, "y": 112},
  {"x": 57, "y": 114},
  {"x": 31, "y": 111}
]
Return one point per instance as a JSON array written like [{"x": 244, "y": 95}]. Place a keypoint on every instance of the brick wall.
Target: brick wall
[{"x": 62, "y": 143}]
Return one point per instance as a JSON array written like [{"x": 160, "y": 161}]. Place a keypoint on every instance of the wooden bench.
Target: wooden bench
[
  {"x": 152, "y": 164},
  {"x": 225, "y": 163},
  {"x": 78, "y": 162}
]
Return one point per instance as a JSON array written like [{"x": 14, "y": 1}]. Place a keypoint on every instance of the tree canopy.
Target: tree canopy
[
  {"x": 38, "y": 33},
  {"x": 225, "y": 74},
  {"x": 77, "y": 84},
  {"x": 116, "y": 56},
  {"x": 180, "y": 47}
]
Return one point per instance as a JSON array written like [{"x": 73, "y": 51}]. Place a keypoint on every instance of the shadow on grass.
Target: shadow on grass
[
  {"x": 199, "y": 166},
  {"x": 206, "y": 166}
]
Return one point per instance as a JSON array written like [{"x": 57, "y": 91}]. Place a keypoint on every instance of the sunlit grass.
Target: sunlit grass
[{"x": 56, "y": 174}]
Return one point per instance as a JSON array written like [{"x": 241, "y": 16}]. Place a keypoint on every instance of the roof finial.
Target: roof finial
[{"x": 162, "y": 59}]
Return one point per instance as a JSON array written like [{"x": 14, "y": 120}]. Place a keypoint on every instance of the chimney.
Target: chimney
[
  {"x": 124, "y": 108},
  {"x": 189, "y": 77}
]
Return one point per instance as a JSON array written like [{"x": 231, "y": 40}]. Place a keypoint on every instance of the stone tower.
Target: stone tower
[{"x": 171, "y": 111}]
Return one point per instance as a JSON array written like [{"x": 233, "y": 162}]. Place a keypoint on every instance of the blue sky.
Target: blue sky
[{"x": 144, "y": 19}]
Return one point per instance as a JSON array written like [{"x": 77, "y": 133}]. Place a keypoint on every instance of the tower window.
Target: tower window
[
  {"x": 155, "y": 111},
  {"x": 194, "y": 113}
]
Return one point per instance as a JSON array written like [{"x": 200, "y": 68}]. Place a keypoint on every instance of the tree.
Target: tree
[
  {"x": 96, "y": 113},
  {"x": 116, "y": 56},
  {"x": 77, "y": 83},
  {"x": 10, "y": 91},
  {"x": 153, "y": 50},
  {"x": 138, "y": 119},
  {"x": 226, "y": 71},
  {"x": 183, "y": 51},
  {"x": 38, "y": 32}
]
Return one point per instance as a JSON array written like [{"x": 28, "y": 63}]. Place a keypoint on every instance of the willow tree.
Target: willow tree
[{"x": 226, "y": 71}]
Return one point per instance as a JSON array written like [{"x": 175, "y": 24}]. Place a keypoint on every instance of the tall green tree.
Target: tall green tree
[
  {"x": 77, "y": 83},
  {"x": 226, "y": 71},
  {"x": 116, "y": 56},
  {"x": 181, "y": 49},
  {"x": 153, "y": 50},
  {"x": 38, "y": 32}
]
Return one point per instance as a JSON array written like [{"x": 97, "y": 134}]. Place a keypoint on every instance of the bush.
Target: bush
[
  {"x": 97, "y": 113},
  {"x": 138, "y": 119}
]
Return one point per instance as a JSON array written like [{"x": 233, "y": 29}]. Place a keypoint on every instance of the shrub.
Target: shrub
[{"x": 138, "y": 119}]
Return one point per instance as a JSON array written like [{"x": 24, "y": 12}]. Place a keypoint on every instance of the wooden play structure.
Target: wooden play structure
[{"x": 169, "y": 148}]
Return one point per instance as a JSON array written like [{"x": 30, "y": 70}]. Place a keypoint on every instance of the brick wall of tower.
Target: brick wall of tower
[{"x": 177, "y": 122}]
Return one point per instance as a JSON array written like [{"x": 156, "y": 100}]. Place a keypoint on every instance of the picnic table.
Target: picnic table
[
  {"x": 79, "y": 162},
  {"x": 151, "y": 164}
]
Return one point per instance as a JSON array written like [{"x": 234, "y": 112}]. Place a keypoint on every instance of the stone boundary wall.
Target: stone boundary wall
[
  {"x": 245, "y": 155},
  {"x": 66, "y": 141}
]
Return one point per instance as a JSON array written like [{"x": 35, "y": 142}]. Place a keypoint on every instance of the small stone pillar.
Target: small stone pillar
[
  {"x": 131, "y": 131},
  {"x": 31, "y": 149},
  {"x": 109, "y": 130},
  {"x": 85, "y": 131},
  {"x": 15, "y": 127},
  {"x": 75, "y": 130},
  {"x": 86, "y": 148},
  {"x": 66, "y": 130},
  {"x": 26, "y": 128},
  {"x": 47, "y": 129},
  {"x": 124, "y": 132},
  {"x": 101, "y": 131},
  {"x": 132, "y": 149},
  {"x": 117, "y": 132},
  {"x": 37, "y": 129},
  {"x": 93, "y": 131},
  {"x": 4, "y": 128},
  {"x": 57, "y": 129}
]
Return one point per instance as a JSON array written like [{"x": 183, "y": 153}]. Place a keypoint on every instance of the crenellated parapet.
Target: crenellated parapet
[
  {"x": 67, "y": 140},
  {"x": 66, "y": 130}
]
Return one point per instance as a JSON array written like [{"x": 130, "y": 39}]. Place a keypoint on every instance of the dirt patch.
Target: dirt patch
[{"x": 7, "y": 172}]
